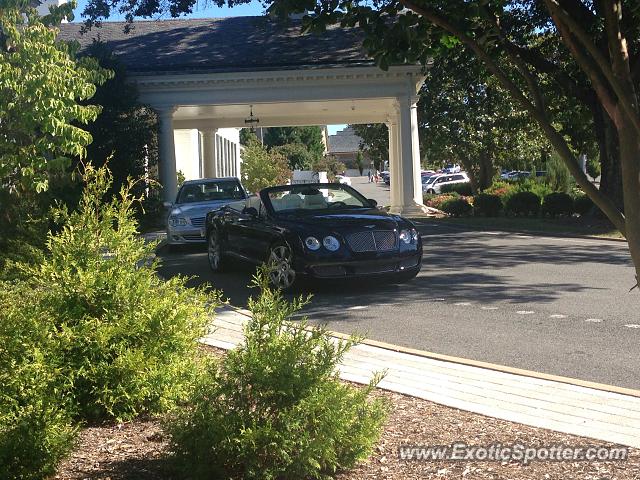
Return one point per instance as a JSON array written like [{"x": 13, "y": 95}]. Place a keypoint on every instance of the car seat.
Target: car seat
[{"x": 315, "y": 202}]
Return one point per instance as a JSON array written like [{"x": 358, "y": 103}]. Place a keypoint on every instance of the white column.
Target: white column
[
  {"x": 209, "y": 169},
  {"x": 395, "y": 170},
  {"x": 167, "y": 153},
  {"x": 408, "y": 198}
]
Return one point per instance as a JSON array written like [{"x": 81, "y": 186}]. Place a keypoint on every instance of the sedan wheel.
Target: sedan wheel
[
  {"x": 214, "y": 251},
  {"x": 281, "y": 273}
]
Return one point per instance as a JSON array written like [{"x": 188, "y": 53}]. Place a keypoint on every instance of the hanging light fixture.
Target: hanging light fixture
[{"x": 251, "y": 120}]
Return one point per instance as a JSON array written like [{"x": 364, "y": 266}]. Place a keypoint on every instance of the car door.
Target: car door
[
  {"x": 258, "y": 231},
  {"x": 232, "y": 227}
]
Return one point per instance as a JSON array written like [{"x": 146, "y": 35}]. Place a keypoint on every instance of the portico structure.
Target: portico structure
[{"x": 298, "y": 83}]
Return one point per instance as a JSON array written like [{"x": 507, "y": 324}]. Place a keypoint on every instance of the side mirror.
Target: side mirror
[
  {"x": 251, "y": 212},
  {"x": 372, "y": 202}
]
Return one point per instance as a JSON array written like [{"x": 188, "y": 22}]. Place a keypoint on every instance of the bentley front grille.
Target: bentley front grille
[{"x": 375, "y": 241}]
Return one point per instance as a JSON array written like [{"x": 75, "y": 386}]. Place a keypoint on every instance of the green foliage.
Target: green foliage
[
  {"x": 309, "y": 137},
  {"x": 298, "y": 155},
  {"x": 557, "y": 204},
  {"x": 41, "y": 85},
  {"x": 121, "y": 338},
  {"x": 124, "y": 134},
  {"x": 261, "y": 169},
  {"x": 274, "y": 408},
  {"x": 583, "y": 205},
  {"x": 558, "y": 176},
  {"x": 329, "y": 164},
  {"x": 502, "y": 189},
  {"x": 375, "y": 141},
  {"x": 593, "y": 167},
  {"x": 487, "y": 205},
  {"x": 360, "y": 161},
  {"x": 181, "y": 178},
  {"x": 538, "y": 186},
  {"x": 523, "y": 203},
  {"x": 35, "y": 429},
  {"x": 464, "y": 189},
  {"x": 457, "y": 207}
]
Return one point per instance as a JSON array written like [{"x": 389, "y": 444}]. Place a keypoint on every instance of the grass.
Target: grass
[{"x": 558, "y": 226}]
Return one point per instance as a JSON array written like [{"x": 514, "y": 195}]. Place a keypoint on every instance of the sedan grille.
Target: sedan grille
[
  {"x": 377, "y": 241},
  {"x": 197, "y": 221}
]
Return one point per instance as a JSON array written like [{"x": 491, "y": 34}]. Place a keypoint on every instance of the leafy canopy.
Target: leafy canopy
[{"x": 41, "y": 85}]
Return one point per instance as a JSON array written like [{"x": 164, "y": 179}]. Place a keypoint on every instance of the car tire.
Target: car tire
[
  {"x": 215, "y": 252},
  {"x": 281, "y": 271},
  {"x": 431, "y": 191}
]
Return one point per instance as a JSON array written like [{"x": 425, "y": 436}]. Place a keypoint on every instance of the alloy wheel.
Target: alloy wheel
[
  {"x": 281, "y": 274},
  {"x": 214, "y": 252}
]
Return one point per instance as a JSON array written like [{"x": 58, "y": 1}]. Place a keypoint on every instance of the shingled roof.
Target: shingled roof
[
  {"x": 344, "y": 141},
  {"x": 222, "y": 45}
]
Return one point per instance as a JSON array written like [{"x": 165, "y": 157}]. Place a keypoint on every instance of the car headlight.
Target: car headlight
[
  {"x": 177, "y": 221},
  {"x": 331, "y": 243},
  {"x": 409, "y": 236},
  {"x": 312, "y": 243}
]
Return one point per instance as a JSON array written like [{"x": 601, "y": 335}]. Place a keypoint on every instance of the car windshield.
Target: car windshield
[
  {"x": 430, "y": 180},
  {"x": 304, "y": 198},
  {"x": 210, "y": 191}
]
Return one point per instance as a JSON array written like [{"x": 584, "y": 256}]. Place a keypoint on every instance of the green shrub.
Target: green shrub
[
  {"x": 558, "y": 176},
  {"x": 583, "y": 205},
  {"x": 35, "y": 428},
  {"x": 487, "y": 205},
  {"x": 556, "y": 204},
  {"x": 123, "y": 339},
  {"x": 274, "y": 408},
  {"x": 534, "y": 185},
  {"x": 457, "y": 207},
  {"x": 523, "y": 203},
  {"x": 460, "y": 188}
]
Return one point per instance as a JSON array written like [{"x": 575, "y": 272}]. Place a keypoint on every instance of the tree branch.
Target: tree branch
[
  {"x": 556, "y": 139},
  {"x": 564, "y": 21}
]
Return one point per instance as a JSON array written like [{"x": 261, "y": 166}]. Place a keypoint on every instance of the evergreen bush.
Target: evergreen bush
[
  {"x": 457, "y": 207},
  {"x": 274, "y": 408},
  {"x": 523, "y": 203},
  {"x": 557, "y": 204},
  {"x": 487, "y": 205}
]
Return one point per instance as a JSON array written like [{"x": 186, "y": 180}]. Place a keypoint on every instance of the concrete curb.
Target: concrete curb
[
  {"x": 476, "y": 363},
  {"x": 523, "y": 232}
]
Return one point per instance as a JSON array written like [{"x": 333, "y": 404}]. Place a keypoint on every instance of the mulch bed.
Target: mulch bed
[{"x": 139, "y": 450}]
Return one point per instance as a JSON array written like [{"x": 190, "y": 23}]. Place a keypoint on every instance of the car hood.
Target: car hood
[
  {"x": 372, "y": 219},
  {"x": 198, "y": 209}
]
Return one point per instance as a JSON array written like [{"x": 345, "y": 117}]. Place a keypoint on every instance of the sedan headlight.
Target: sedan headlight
[
  {"x": 331, "y": 243},
  {"x": 177, "y": 221},
  {"x": 409, "y": 236},
  {"x": 312, "y": 243}
]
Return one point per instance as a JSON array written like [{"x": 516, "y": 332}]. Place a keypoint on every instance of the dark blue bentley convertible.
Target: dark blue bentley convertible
[{"x": 314, "y": 231}]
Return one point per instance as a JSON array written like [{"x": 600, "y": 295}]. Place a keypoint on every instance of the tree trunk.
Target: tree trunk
[{"x": 608, "y": 144}]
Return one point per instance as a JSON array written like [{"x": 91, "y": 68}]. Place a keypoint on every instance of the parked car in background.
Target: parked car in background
[
  {"x": 436, "y": 182},
  {"x": 451, "y": 168},
  {"x": 186, "y": 220},
  {"x": 314, "y": 231}
]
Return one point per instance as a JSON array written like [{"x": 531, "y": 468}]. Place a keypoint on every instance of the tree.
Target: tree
[
  {"x": 310, "y": 137},
  {"x": 360, "y": 161},
  {"x": 298, "y": 155},
  {"x": 466, "y": 118},
  {"x": 125, "y": 130},
  {"x": 375, "y": 141},
  {"x": 261, "y": 168},
  {"x": 41, "y": 86}
]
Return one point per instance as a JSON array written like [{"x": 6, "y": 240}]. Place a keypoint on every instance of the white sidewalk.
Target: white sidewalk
[{"x": 567, "y": 408}]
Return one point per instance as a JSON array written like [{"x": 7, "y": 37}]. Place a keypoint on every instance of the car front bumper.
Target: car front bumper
[
  {"x": 185, "y": 235},
  {"x": 403, "y": 263}
]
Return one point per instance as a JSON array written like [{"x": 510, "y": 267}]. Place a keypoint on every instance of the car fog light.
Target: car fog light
[
  {"x": 312, "y": 243},
  {"x": 331, "y": 243}
]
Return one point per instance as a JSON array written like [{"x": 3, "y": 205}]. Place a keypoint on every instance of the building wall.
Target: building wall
[
  {"x": 43, "y": 8},
  {"x": 189, "y": 159}
]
